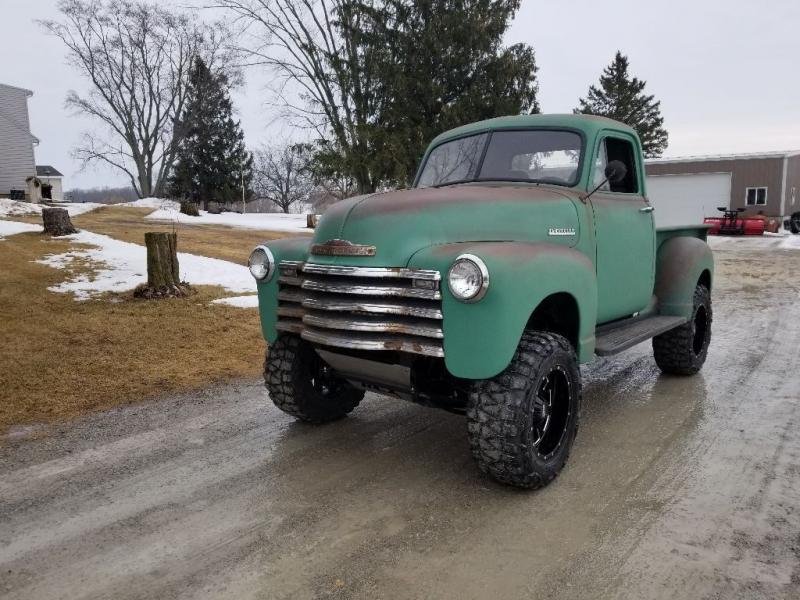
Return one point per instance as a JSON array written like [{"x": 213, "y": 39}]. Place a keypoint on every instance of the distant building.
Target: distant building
[
  {"x": 50, "y": 176},
  {"x": 766, "y": 182},
  {"x": 17, "y": 162}
]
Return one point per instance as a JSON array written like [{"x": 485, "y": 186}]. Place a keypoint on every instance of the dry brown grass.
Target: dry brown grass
[{"x": 61, "y": 358}]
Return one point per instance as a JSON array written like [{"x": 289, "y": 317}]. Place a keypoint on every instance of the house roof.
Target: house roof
[
  {"x": 47, "y": 171},
  {"x": 713, "y": 157},
  {"x": 19, "y": 89}
]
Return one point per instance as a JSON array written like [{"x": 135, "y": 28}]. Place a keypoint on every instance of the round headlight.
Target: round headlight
[
  {"x": 468, "y": 278},
  {"x": 261, "y": 263}
]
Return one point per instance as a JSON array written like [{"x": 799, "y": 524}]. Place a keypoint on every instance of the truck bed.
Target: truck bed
[{"x": 665, "y": 233}]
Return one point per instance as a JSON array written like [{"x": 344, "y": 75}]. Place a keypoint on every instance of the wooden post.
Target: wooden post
[
  {"x": 57, "y": 222},
  {"x": 163, "y": 272}
]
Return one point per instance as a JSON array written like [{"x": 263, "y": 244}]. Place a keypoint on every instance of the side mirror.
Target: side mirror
[{"x": 616, "y": 171}]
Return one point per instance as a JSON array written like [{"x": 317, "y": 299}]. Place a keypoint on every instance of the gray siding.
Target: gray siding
[
  {"x": 792, "y": 184},
  {"x": 745, "y": 173},
  {"x": 16, "y": 142}
]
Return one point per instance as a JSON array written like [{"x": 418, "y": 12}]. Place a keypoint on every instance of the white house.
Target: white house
[{"x": 17, "y": 162}]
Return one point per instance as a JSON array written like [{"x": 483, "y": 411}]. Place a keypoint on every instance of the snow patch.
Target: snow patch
[
  {"x": 264, "y": 221},
  {"x": 779, "y": 241},
  {"x": 791, "y": 242},
  {"x": 121, "y": 266},
  {"x": 18, "y": 208},
  {"x": 239, "y": 301},
  {"x": 155, "y": 203},
  {"x": 13, "y": 227}
]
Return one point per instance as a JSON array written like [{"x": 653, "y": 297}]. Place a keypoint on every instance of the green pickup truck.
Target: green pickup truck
[{"x": 525, "y": 247}]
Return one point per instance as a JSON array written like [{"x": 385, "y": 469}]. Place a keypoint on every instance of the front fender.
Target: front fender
[
  {"x": 282, "y": 249},
  {"x": 680, "y": 263},
  {"x": 480, "y": 338}
]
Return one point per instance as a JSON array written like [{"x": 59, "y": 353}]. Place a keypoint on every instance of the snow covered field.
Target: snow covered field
[
  {"x": 16, "y": 208},
  {"x": 12, "y": 227},
  {"x": 265, "y": 221},
  {"x": 169, "y": 210},
  {"x": 781, "y": 241},
  {"x": 250, "y": 301},
  {"x": 121, "y": 266},
  {"x": 154, "y": 203}
]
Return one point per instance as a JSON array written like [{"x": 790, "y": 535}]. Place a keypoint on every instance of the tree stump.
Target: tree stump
[
  {"x": 311, "y": 221},
  {"x": 57, "y": 222},
  {"x": 163, "y": 273}
]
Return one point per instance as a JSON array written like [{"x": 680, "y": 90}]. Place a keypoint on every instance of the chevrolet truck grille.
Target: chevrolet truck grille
[{"x": 362, "y": 308}]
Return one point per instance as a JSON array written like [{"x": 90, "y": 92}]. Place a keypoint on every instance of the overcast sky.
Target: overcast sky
[{"x": 726, "y": 72}]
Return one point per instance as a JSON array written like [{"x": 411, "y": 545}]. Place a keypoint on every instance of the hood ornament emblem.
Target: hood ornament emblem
[
  {"x": 342, "y": 248},
  {"x": 561, "y": 231}
]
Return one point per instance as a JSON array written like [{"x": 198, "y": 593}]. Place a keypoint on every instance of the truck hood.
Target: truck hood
[{"x": 400, "y": 223}]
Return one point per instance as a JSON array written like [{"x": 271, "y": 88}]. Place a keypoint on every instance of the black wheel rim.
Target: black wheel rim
[
  {"x": 700, "y": 330},
  {"x": 323, "y": 379},
  {"x": 551, "y": 411}
]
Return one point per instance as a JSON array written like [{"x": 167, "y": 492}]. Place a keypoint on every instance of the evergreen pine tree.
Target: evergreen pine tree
[
  {"x": 211, "y": 159},
  {"x": 622, "y": 97}
]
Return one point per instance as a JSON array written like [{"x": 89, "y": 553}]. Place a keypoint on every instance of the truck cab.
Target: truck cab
[{"x": 525, "y": 246}]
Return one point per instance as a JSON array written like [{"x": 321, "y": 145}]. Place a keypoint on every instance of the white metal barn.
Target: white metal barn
[{"x": 684, "y": 190}]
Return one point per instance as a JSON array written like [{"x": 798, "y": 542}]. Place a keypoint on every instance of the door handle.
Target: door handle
[{"x": 647, "y": 209}]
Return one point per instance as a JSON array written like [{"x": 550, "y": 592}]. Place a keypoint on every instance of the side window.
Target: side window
[
  {"x": 600, "y": 162},
  {"x": 622, "y": 150}
]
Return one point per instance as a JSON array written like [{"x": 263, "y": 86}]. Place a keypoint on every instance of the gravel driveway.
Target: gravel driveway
[{"x": 676, "y": 488}]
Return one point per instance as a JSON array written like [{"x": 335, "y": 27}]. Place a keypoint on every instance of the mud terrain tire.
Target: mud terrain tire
[
  {"x": 683, "y": 350},
  {"x": 794, "y": 223},
  {"x": 507, "y": 418},
  {"x": 301, "y": 385}
]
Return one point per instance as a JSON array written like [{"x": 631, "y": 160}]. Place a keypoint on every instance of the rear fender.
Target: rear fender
[
  {"x": 282, "y": 249},
  {"x": 480, "y": 338},
  {"x": 680, "y": 263}
]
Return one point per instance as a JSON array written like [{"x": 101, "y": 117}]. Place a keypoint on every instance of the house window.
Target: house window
[{"x": 756, "y": 196}]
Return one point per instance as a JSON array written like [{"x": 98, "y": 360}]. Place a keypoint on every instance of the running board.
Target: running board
[{"x": 615, "y": 339}]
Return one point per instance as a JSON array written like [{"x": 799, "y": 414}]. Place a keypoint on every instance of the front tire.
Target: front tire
[
  {"x": 302, "y": 385},
  {"x": 522, "y": 422},
  {"x": 683, "y": 350}
]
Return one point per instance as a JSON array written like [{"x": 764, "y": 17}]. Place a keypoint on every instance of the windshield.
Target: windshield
[{"x": 536, "y": 155}]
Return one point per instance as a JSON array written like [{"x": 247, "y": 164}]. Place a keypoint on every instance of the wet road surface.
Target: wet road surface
[{"x": 676, "y": 487}]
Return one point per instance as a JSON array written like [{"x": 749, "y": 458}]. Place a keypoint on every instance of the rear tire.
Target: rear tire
[
  {"x": 794, "y": 223},
  {"x": 522, "y": 422},
  {"x": 683, "y": 350},
  {"x": 302, "y": 385}
]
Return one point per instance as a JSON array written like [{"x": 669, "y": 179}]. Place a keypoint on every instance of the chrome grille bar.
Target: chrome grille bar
[
  {"x": 367, "y": 341},
  {"x": 411, "y": 326},
  {"x": 381, "y": 272},
  {"x": 337, "y": 287},
  {"x": 376, "y": 306}
]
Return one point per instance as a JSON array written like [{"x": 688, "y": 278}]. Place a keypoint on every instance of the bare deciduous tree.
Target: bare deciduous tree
[
  {"x": 329, "y": 191},
  {"x": 313, "y": 48},
  {"x": 136, "y": 56},
  {"x": 281, "y": 176}
]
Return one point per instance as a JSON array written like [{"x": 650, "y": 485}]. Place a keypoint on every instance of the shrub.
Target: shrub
[{"x": 190, "y": 208}]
